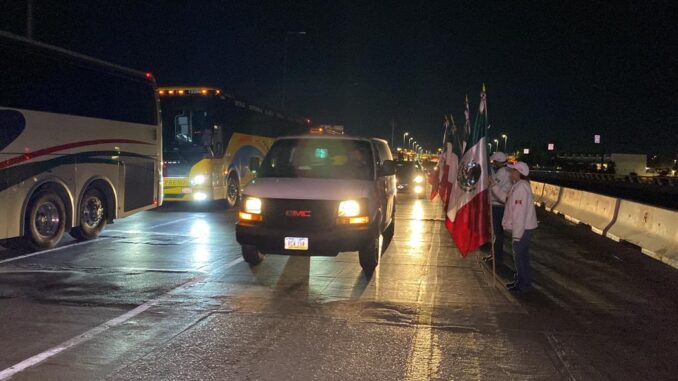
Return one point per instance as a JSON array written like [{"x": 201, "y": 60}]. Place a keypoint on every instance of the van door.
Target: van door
[{"x": 386, "y": 184}]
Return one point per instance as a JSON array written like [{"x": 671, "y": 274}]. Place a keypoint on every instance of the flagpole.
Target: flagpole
[{"x": 489, "y": 201}]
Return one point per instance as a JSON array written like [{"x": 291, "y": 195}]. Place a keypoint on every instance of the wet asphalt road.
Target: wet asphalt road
[{"x": 164, "y": 295}]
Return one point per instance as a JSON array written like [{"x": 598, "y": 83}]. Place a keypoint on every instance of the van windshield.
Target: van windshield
[{"x": 319, "y": 158}]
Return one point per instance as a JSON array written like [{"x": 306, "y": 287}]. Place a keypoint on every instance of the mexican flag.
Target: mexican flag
[
  {"x": 468, "y": 213},
  {"x": 437, "y": 175}
]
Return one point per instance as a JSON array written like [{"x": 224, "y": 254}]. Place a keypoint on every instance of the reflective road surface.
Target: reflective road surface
[{"x": 164, "y": 295}]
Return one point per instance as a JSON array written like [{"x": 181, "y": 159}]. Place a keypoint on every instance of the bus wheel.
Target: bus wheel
[
  {"x": 232, "y": 191},
  {"x": 92, "y": 216},
  {"x": 46, "y": 221}
]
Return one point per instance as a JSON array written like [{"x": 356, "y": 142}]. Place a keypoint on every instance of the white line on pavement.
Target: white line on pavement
[
  {"x": 40, "y": 357},
  {"x": 145, "y": 232},
  {"x": 171, "y": 222},
  {"x": 51, "y": 250}
]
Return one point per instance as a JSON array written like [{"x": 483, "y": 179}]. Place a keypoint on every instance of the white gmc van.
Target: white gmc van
[{"x": 319, "y": 195}]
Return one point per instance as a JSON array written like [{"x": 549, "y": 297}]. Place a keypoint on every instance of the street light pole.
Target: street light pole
[
  {"x": 409, "y": 141},
  {"x": 404, "y": 135},
  {"x": 497, "y": 143},
  {"x": 505, "y": 140},
  {"x": 284, "y": 79}
]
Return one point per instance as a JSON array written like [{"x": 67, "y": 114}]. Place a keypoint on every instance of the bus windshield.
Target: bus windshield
[
  {"x": 187, "y": 127},
  {"x": 319, "y": 158}
]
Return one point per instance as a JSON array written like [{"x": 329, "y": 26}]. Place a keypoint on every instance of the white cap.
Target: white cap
[
  {"x": 520, "y": 167},
  {"x": 498, "y": 156}
]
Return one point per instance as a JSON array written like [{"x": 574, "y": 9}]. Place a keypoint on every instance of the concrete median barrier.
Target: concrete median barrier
[
  {"x": 568, "y": 205},
  {"x": 654, "y": 229},
  {"x": 598, "y": 211},
  {"x": 550, "y": 196},
  {"x": 537, "y": 191}
]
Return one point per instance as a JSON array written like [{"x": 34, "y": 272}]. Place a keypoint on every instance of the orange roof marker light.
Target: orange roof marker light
[
  {"x": 170, "y": 92},
  {"x": 218, "y": 92},
  {"x": 203, "y": 92},
  {"x": 161, "y": 92},
  {"x": 181, "y": 92}
]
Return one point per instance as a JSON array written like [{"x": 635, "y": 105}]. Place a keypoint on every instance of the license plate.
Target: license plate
[
  {"x": 175, "y": 182},
  {"x": 186, "y": 190},
  {"x": 296, "y": 243}
]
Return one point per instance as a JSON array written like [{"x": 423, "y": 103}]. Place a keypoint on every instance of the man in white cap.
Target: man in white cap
[
  {"x": 501, "y": 180},
  {"x": 520, "y": 217}
]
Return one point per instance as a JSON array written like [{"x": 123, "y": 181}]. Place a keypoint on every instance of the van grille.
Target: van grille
[{"x": 285, "y": 213}]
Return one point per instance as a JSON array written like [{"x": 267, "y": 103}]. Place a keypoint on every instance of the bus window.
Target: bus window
[{"x": 34, "y": 80}]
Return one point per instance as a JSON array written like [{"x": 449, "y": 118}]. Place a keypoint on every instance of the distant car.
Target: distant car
[
  {"x": 410, "y": 177},
  {"x": 429, "y": 166},
  {"x": 319, "y": 195}
]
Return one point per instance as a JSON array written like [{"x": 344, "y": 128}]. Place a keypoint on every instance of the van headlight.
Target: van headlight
[
  {"x": 418, "y": 179},
  {"x": 253, "y": 205},
  {"x": 198, "y": 179},
  {"x": 349, "y": 208}
]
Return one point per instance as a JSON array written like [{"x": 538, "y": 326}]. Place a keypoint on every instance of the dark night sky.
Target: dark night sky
[{"x": 555, "y": 71}]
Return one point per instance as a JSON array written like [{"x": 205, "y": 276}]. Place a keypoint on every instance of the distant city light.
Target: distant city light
[
  {"x": 596, "y": 139},
  {"x": 551, "y": 146},
  {"x": 526, "y": 151}
]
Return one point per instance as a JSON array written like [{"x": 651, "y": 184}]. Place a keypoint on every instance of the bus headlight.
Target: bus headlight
[
  {"x": 418, "y": 179},
  {"x": 418, "y": 189},
  {"x": 198, "y": 180},
  {"x": 200, "y": 196},
  {"x": 349, "y": 208},
  {"x": 253, "y": 205}
]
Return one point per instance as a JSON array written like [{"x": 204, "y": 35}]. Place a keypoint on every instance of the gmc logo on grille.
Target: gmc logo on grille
[{"x": 298, "y": 213}]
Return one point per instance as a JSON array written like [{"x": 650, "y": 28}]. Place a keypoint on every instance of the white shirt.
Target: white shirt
[
  {"x": 520, "y": 214},
  {"x": 502, "y": 180}
]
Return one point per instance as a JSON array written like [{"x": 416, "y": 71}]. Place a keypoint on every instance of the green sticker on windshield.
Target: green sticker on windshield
[{"x": 321, "y": 153}]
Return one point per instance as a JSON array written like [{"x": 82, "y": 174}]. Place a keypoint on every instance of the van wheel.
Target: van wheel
[
  {"x": 92, "y": 216},
  {"x": 389, "y": 232},
  {"x": 251, "y": 255},
  {"x": 45, "y": 221},
  {"x": 232, "y": 191},
  {"x": 369, "y": 256}
]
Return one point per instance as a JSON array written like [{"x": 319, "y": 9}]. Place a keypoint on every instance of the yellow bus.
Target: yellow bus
[{"x": 209, "y": 137}]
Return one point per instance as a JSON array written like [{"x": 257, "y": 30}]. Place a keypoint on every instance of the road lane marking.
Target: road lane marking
[
  {"x": 51, "y": 250},
  {"x": 171, "y": 222},
  {"x": 425, "y": 356},
  {"x": 146, "y": 232},
  {"x": 558, "y": 349},
  {"x": 90, "y": 334}
]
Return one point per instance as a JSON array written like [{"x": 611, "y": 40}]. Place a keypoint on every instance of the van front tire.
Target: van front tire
[
  {"x": 251, "y": 255},
  {"x": 369, "y": 256}
]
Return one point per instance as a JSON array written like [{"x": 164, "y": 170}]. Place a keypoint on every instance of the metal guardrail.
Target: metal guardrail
[
  {"x": 671, "y": 181},
  {"x": 660, "y": 191}
]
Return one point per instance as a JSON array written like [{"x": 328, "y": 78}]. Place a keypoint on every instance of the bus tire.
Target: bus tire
[
  {"x": 92, "y": 216},
  {"x": 232, "y": 190},
  {"x": 251, "y": 255},
  {"x": 45, "y": 221}
]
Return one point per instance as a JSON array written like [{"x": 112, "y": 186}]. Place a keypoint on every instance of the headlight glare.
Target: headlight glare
[
  {"x": 198, "y": 180},
  {"x": 349, "y": 208},
  {"x": 253, "y": 205},
  {"x": 419, "y": 179}
]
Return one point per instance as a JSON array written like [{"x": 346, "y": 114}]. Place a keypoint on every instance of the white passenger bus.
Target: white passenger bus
[{"x": 80, "y": 143}]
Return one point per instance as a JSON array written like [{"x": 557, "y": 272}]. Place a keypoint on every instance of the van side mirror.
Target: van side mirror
[
  {"x": 387, "y": 168},
  {"x": 254, "y": 164}
]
